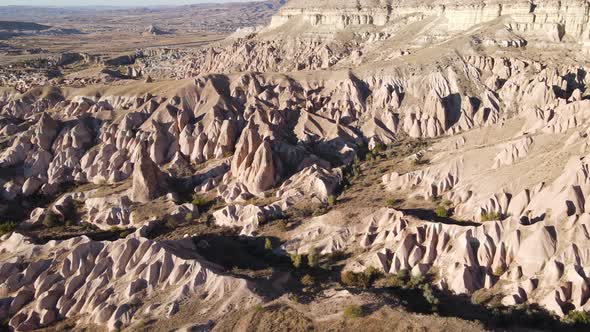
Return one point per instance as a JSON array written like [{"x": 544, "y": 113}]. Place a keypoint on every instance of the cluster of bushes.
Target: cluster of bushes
[
  {"x": 301, "y": 261},
  {"x": 363, "y": 279}
]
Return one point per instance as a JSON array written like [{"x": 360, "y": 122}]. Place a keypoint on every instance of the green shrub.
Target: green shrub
[
  {"x": 490, "y": 216},
  {"x": 282, "y": 226},
  {"x": 171, "y": 223},
  {"x": 441, "y": 212},
  {"x": 267, "y": 244},
  {"x": 391, "y": 202},
  {"x": 307, "y": 280},
  {"x": 429, "y": 296},
  {"x": 258, "y": 308},
  {"x": 353, "y": 311},
  {"x": 50, "y": 219},
  {"x": 331, "y": 200},
  {"x": 188, "y": 217},
  {"x": 115, "y": 229},
  {"x": 296, "y": 260},
  {"x": 392, "y": 280},
  {"x": 7, "y": 227},
  {"x": 499, "y": 271},
  {"x": 372, "y": 273},
  {"x": 420, "y": 161},
  {"x": 577, "y": 318},
  {"x": 199, "y": 200},
  {"x": 353, "y": 279}
]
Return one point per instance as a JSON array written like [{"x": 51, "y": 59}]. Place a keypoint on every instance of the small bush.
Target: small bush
[
  {"x": 391, "y": 202},
  {"x": 353, "y": 311},
  {"x": 282, "y": 226},
  {"x": 429, "y": 296},
  {"x": 577, "y": 318},
  {"x": 441, "y": 212},
  {"x": 294, "y": 298},
  {"x": 50, "y": 219},
  {"x": 199, "y": 200},
  {"x": 499, "y": 271},
  {"x": 7, "y": 227},
  {"x": 188, "y": 217},
  {"x": 372, "y": 273},
  {"x": 267, "y": 244},
  {"x": 391, "y": 280},
  {"x": 307, "y": 280},
  {"x": 258, "y": 308},
  {"x": 420, "y": 161},
  {"x": 296, "y": 260},
  {"x": 353, "y": 279},
  {"x": 490, "y": 216},
  {"x": 171, "y": 223},
  {"x": 331, "y": 200}
]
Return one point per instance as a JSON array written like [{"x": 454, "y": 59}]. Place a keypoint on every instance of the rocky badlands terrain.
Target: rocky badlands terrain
[{"x": 350, "y": 165}]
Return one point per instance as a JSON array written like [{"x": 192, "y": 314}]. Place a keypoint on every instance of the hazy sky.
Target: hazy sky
[{"x": 62, "y": 3}]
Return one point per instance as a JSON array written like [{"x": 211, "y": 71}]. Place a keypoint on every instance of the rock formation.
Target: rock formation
[{"x": 477, "y": 144}]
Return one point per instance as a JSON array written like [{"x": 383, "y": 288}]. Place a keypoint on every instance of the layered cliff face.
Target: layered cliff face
[{"x": 551, "y": 18}]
